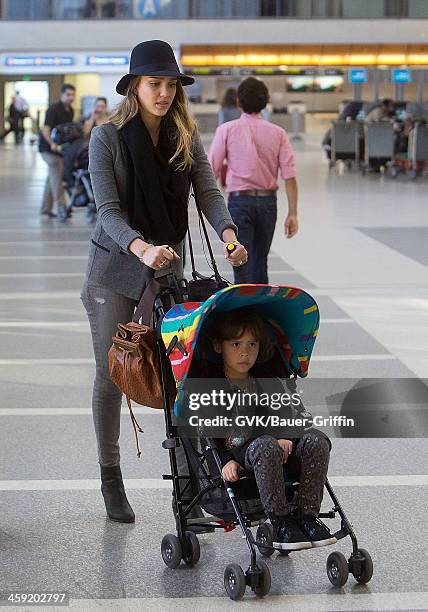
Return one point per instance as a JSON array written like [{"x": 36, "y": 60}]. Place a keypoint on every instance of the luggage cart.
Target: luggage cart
[
  {"x": 344, "y": 142},
  {"x": 418, "y": 150},
  {"x": 378, "y": 143}
]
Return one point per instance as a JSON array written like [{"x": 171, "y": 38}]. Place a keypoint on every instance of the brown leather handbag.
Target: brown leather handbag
[{"x": 134, "y": 364}]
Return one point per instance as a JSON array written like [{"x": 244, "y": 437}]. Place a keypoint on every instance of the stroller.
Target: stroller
[
  {"x": 81, "y": 193},
  {"x": 293, "y": 318},
  {"x": 75, "y": 152}
]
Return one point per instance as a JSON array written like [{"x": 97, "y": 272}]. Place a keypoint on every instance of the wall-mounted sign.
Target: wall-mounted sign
[
  {"x": 357, "y": 75},
  {"x": 277, "y": 71},
  {"x": 208, "y": 71},
  {"x": 264, "y": 71},
  {"x": 401, "y": 75},
  {"x": 331, "y": 72},
  {"x": 107, "y": 60},
  {"x": 39, "y": 60}
]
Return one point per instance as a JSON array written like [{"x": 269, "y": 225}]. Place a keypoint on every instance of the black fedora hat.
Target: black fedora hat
[{"x": 152, "y": 58}]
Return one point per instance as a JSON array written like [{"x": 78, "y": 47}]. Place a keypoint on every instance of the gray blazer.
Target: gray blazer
[{"x": 110, "y": 262}]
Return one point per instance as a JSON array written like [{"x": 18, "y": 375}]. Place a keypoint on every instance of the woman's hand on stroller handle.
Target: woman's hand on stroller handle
[
  {"x": 155, "y": 257},
  {"x": 235, "y": 253}
]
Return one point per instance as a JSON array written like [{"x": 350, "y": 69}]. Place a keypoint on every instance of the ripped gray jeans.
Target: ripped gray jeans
[{"x": 105, "y": 309}]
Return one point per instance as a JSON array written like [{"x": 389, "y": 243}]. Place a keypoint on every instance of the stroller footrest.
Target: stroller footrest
[
  {"x": 342, "y": 533},
  {"x": 171, "y": 443}
]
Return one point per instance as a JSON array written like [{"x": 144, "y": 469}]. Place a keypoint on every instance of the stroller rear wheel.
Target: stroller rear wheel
[
  {"x": 234, "y": 581},
  {"x": 264, "y": 537},
  {"x": 364, "y": 571},
  {"x": 193, "y": 549},
  {"x": 337, "y": 569},
  {"x": 265, "y": 582},
  {"x": 171, "y": 550}
]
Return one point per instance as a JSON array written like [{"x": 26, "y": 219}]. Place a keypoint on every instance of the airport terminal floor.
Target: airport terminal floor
[{"x": 361, "y": 252}]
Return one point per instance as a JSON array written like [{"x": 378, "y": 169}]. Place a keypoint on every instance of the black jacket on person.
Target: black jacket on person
[{"x": 55, "y": 115}]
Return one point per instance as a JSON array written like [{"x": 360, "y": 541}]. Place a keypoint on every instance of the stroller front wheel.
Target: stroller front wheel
[
  {"x": 234, "y": 581},
  {"x": 171, "y": 551},
  {"x": 193, "y": 549},
  {"x": 337, "y": 569}
]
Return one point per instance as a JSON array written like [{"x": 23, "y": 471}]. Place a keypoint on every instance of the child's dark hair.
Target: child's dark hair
[
  {"x": 232, "y": 325},
  {"x": 253, "y": 95}
]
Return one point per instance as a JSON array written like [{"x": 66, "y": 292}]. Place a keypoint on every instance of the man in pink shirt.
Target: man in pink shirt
[{"x": 255, "y": 150}]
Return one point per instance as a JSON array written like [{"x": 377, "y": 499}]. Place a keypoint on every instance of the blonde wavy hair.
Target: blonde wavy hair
[{"x": 178, "y": 112}]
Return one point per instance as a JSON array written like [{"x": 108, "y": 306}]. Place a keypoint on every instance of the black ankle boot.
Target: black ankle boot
[{"x": 117, "y": 506}]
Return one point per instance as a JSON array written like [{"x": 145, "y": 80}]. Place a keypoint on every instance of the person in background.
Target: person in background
[
  {"x": 255, "y": 150},
  {"x": 229, "y": 107},
  {"x": 14, "y": 119},
  {"x": 21, "y": 105},
  {"x": 54, "y": 194},
  {"x": 99, "y": 116},
  {"x": 383, "y": 112}
]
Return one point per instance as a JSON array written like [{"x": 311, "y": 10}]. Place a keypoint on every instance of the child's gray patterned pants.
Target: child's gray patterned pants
[{"x": 308, "y": 463}]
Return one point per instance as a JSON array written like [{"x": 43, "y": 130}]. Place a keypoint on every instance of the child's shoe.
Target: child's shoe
[
  {"x": 315, "y": 530},
  {"x": 287, "y": 535}
]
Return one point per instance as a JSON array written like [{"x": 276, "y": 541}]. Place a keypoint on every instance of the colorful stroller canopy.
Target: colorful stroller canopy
[{"x": 292, "y": 313}]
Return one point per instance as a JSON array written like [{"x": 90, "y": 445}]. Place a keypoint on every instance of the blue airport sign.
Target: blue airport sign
[
  {"x": 39, "y": 60},
  {"x": 107, "y": 60},
  {"x": 401, "y": 75},
  {"x": 357, "y": 75}
]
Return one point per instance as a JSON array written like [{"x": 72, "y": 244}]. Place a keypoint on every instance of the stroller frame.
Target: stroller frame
[{"x": 185, "y": 545}]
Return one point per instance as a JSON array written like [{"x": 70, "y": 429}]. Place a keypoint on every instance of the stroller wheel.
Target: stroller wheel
[
  {"x": 265, "y": 581},
  {"x": 337, "y": 569},
  {"x": 171, "y": 550},
  {"x": 234, "y": 581},
  {"x": 365, "y": 569},
  {"x": 264, "y": 537},
  {"x": 193, "y": 549}
]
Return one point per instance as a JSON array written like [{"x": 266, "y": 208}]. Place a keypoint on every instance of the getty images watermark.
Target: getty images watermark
[
  {"x": 241, "y": 402},
  {"x": 342, "y": 408}
]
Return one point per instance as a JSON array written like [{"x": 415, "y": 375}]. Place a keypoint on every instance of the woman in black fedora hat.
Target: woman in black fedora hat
[{"x": 142, "y": 163}]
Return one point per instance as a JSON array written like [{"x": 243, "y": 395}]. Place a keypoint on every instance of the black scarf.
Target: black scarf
[{"x": 157, "y": 195}]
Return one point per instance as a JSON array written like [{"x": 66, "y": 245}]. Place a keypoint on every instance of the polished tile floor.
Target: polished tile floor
[{"x": 361, "y": 251}]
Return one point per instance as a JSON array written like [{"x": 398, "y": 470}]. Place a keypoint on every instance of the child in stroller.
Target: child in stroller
[{"x": 240, "y": 337}]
